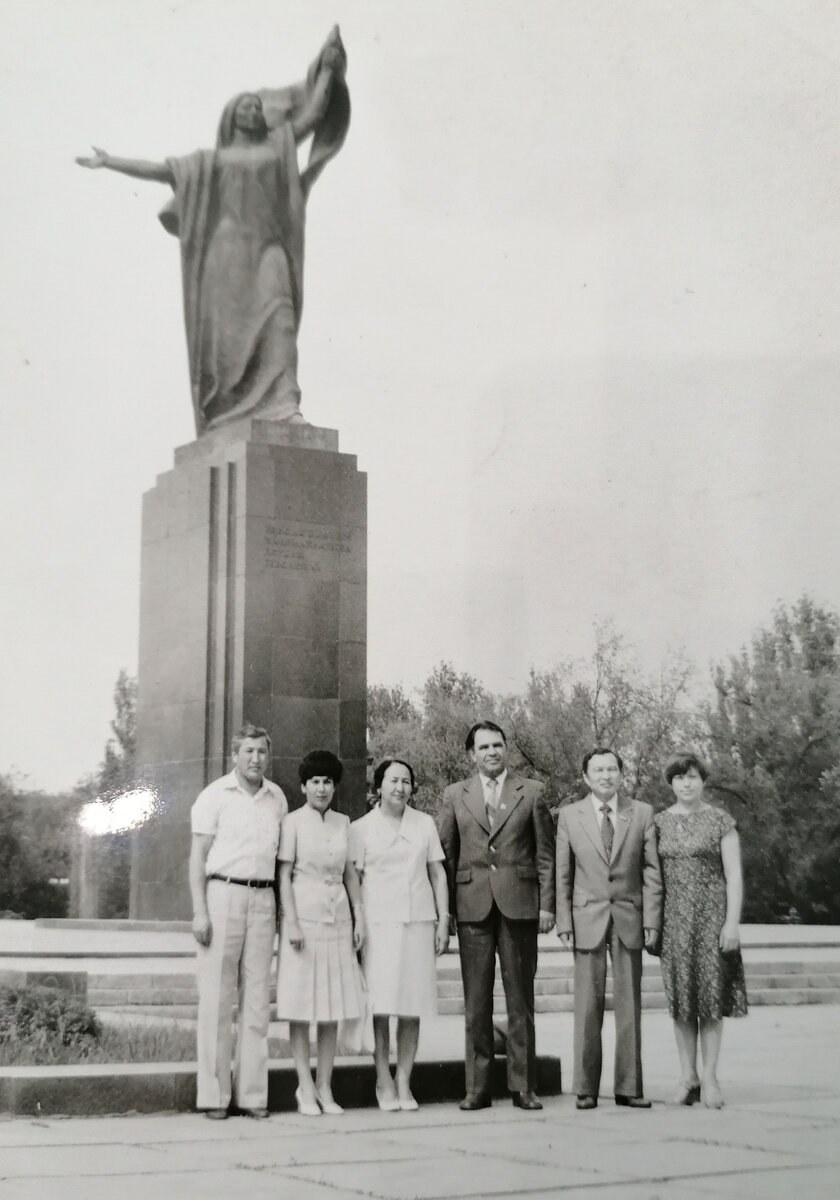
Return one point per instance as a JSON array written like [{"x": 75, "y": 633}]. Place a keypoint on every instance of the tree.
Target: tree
[
  {"x": 432, "y": 737},
  {"x": 561, "y": 714},
  {"x": 387, "y": 706},
  {"x": 774, "y": 731},
  {"x": 107, "y": 856},
  {"x": 116, "y": 771},
  {"x": 36, "y": 833},
  {"x": 607, "y": 702}
]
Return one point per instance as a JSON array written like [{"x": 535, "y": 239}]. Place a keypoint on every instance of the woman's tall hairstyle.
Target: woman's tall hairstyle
[
  {"x": 682, "y": 763},
  {"x": 321, "y": 762}
]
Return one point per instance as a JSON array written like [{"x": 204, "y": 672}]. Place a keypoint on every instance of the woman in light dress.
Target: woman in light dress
[
  {"x": 701, "y": 960},
  {"x": 319, "y": 980},
  {"x": 398, "y": 854}
]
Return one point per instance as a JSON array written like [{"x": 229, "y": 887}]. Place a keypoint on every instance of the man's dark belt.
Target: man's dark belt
[{"x": 254, "y": 883}]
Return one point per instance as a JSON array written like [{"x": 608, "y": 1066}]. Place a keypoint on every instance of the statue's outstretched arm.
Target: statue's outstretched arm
[{"x": 136, "y": 167}]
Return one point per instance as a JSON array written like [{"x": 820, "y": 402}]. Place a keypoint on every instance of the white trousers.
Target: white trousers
[{"x": 237, "y": 962}]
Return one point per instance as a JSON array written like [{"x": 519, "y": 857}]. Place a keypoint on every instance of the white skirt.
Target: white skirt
[
  {"x": 399, "y": 965},
  {"x": 322, "y": 981}
]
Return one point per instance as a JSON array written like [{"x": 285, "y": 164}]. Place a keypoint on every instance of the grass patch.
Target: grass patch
[
  {"x": 115, "y": 1044},
  {"x": 42, "y": 1027}
]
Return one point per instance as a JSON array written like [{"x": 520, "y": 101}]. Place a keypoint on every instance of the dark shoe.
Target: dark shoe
[
  {"x": 259, "y": 1114},
  {"x": 632, "y": 1101},
  {"x": 216, "y": 1114},
  {"x": 525, "y": 1100},
  {"x": 586, "y": 1102},
  {"x": 472, "y": 1103}
]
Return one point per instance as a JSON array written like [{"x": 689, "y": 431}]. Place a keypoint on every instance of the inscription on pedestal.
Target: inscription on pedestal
[{"x": 304, "y": 546}]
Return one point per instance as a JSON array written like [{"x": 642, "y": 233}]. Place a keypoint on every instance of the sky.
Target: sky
[{"x": 571, "y": 298}]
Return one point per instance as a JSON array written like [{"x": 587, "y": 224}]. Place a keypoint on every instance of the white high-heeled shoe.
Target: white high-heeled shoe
[
  {"x": 305, "y": 1107},
  {"x": 408, "y": 1103},
  {"x": 328, "y": 1107},
  {"x": 712, "y": 1097},
  {"x": 387, "y": 1103}
]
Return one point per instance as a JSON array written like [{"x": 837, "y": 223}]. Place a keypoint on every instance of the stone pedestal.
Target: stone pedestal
[{"x": 253, "y": 608}]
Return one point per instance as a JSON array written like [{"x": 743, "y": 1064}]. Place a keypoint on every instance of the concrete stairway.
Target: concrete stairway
[
  {"x": 789, "y": 981},
  {"x": 767, "y": 983}
]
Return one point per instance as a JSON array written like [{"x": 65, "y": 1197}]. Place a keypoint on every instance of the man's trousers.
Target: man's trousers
[
  {"x": 237, "y": 963},
  {"x": 590, "y": 990},
  {"x": 516, "y": 944}
]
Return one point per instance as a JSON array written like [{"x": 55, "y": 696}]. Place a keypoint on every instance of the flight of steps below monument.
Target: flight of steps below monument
[
  {"x": 776, "y": 983},
  {"x": 767, "y": 983}
]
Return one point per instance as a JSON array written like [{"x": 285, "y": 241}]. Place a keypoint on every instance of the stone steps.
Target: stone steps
[{"x": 767, "y": 983}]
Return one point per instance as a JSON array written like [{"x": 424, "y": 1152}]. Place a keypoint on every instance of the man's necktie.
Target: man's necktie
[
  {"x": 490, "y": 801},
  {"x": 606, "y": 828}
]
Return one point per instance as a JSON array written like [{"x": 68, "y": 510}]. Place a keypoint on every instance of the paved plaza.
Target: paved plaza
[{"x": 777, "y": 1139}]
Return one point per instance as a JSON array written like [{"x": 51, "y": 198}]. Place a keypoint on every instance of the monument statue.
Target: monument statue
[{"x": 239, "y": 213}]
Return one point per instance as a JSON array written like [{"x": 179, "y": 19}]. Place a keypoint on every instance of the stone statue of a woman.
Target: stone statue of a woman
[{"x": 239, "y": 213}]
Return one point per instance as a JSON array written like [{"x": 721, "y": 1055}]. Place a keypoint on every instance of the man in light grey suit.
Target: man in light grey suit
[{"x": 609, "y": 894}]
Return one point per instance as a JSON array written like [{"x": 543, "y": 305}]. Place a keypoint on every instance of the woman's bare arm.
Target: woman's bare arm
[
  {"x": 291, "y": 930},
  {"x": 354, "y": 894},
  {"x": 730, "y": 852},
  {"x": 440, "y": 887}
]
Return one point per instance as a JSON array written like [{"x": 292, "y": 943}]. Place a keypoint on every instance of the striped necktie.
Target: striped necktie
[
  {"x": 490, "y": 801},
  {"x": 607, "y": 829}
]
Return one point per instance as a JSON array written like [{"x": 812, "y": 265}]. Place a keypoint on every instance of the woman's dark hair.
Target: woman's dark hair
[
  {"x": 470, "y": 742},
  {"x": 682, "y": 763},
  {"x": 595, "y": 754},
  {"x": 321, "y": 762},
  {"x": 379, "y": 773}
]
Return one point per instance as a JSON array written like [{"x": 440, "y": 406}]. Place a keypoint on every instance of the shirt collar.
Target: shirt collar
[
  {"x": 598, "y": 804},
  {"x": 311, "y": 814},
  {"x": 408, "y": 824},
  {"x": 231, "y": 783},
  {"x": 500, "y": 781}
]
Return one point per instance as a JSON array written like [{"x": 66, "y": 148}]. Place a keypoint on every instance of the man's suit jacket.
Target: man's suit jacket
[
  {"x": 591, "y": 889},
  {"x": 512, "y": 864}
]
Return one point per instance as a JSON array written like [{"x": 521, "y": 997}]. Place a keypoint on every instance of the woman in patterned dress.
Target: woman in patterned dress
[
  {"x": 398, "y": 854},
  {"x": 319, "y": 981},
  {"x": 701, "y": 957}
]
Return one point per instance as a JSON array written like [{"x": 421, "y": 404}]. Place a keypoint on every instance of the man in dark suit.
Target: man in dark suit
[
  {"x": 498, "y": 839},
  {"x": 609, "y": 894}
]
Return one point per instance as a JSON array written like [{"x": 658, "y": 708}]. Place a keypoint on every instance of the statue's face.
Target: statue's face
[{"x": 248, "y": 115}]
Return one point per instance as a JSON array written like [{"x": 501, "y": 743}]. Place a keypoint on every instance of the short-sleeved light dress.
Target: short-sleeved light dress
[
  {"x": 399, "y": 955},
  {"x": 701, "y": 982},
  {"x": 322, "y": 981}
]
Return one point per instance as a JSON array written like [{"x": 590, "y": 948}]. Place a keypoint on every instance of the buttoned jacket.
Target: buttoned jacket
[
  {"x": 317, "y": 847},
  {"x": 394, "y": 866},
  {"x": 511, "y": 863},
  {"x": 592, "y": 888}
]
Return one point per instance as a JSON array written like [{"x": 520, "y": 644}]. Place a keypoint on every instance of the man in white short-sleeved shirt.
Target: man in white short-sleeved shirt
[{"x": 235, "y": 836}]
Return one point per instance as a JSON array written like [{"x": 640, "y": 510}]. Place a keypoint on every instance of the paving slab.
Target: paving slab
[
  {"x": 778, "y": 1138},
  {"x": 195, "y": 1183},
  {"x": 788, "y": 1183}
]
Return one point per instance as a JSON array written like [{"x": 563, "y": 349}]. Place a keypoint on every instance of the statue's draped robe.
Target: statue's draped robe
[{"x": 239, "y": 212}]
